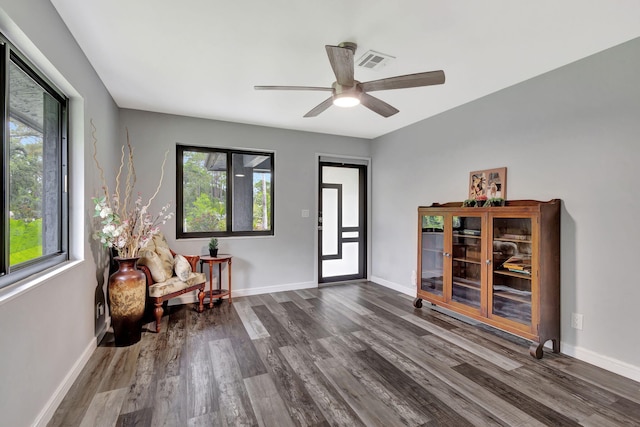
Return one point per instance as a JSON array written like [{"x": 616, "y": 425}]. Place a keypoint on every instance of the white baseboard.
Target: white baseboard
[
  {"x": 192, "y": 297},
  {"x": 602, "y": 361},
  {"x": 605, "y": 362},
  {"x": 50, "y": 407},
  {"x": 396, "y": 287}
]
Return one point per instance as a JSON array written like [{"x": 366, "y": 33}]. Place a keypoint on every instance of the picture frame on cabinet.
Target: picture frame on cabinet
[{"x": 488, "y": 184}]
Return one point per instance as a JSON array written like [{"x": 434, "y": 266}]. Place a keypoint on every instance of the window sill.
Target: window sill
[{"x": 17, "y": 289}]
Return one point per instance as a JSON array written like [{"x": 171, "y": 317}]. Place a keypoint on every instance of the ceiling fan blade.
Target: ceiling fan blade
[
  {"x": 320, "y": 108},
  {"x": 377, "y": 105},
  {"x": 327, "y": 89},
  {"x": 401, "y": 82},
  {"x": 341, "y": 59}
]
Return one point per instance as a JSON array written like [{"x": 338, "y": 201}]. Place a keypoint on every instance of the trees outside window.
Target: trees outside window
[
  {"x": 34, "y": 161},
  {"x": 224, "y": 192}
]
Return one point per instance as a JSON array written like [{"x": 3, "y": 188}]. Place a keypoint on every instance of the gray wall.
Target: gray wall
[
  {"x": 260, "y": 264},
  {"x": 48, "y": 327},
  {"x": 571, "y": 134}
]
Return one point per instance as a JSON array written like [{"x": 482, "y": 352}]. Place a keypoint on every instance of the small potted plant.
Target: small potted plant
[
  {"x": 494, "y": 201},
  {"x": 468, "y": 203},
  {"x": 213, "y": 247},
  {"x": 480, "y": 201}
]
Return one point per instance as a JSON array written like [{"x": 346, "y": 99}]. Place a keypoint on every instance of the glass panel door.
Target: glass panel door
[
  {"x": 512, "y": 273},
  {"x": 432, "y": 254},
  {"x": 342, "y": 222},
  {"x": 466, "y": 266}
]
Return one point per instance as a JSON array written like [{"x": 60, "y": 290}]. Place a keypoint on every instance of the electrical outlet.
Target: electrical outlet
[
  {"x": 576, "y": 321},
  {"x": 99, "y": 310}
]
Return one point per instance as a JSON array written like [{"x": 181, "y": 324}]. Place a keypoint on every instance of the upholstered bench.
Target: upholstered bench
[{"x": 169, "y": 275}]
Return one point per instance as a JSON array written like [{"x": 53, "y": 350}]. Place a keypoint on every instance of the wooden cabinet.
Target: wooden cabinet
[{"x": 498, "y": 265}]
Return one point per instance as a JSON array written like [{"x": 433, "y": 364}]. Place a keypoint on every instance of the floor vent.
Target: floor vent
[{"x": 374, "y": 60}]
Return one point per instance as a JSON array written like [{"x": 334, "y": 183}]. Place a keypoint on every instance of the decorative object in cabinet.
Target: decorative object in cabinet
[{"x": 498, "y": 265}]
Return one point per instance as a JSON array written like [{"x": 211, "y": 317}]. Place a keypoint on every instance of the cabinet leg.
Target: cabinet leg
[
  {"x": 535, "y": 350},
  {"x": 417, "y": 303}
]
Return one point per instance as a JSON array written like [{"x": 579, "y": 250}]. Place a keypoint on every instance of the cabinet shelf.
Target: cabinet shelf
[
  {"x": 466, "y": 283},
  {"x": 468, "y": 260},
  {"x": 505, "y": 239},
  {"x": 513, "y": 274},
  {"x": 527, "y": 305}
]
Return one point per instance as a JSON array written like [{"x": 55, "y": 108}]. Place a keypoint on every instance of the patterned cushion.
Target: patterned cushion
[
  {"x": 182, "y": 267},
  {"x": 157, "y": 256},
  {"x": 174, "y": 284}
]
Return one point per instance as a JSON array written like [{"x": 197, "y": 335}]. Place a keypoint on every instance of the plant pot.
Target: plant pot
[
  {"x": 127, "y": 297},
  {"x": 213, "y": 252}
]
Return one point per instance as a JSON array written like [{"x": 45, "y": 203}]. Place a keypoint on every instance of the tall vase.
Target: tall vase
[{"x": 127, "y": 295}]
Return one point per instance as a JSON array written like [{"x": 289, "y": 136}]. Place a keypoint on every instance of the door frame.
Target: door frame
[{"x": 346, "y": 160}]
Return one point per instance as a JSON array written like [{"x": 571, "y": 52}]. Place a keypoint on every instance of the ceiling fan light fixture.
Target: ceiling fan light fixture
[{"x": 346, "y": 100}]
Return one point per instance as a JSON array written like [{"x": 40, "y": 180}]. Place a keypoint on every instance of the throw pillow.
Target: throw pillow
[
  {"x": 182, "y": 267},
  {"x": 155, "y": 265}
]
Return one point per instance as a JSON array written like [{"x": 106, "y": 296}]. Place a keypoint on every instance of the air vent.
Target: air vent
[{"x": 374, "y": 60}]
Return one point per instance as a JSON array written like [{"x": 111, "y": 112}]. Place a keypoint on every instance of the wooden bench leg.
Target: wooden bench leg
[
  {"x": 158, "y": 311},
  {"x": 201, "y": 299}
]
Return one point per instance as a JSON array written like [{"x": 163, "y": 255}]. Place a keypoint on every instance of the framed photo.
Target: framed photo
[{"x": 488, "y": 184}]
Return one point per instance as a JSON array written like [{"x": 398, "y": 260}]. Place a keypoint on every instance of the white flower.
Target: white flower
[{"x": 105, "y": 212}]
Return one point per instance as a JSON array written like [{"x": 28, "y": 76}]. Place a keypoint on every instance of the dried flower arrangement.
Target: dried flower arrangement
[{"x": 126, "y": 224}]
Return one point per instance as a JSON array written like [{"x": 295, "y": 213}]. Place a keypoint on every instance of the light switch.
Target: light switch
[{"x": 305, "y": 213}]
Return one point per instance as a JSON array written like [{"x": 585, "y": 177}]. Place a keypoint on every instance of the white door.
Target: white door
[{"x": 342, "y": 222}]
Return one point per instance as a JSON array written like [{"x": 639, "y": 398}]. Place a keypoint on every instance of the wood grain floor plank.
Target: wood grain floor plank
[
  {"x": 301, "y": 407},
  {"x": 411, "y": 392},
  {"x": 472, "y": 410},
  {"x": 302, "y": 303},
  {"x": 281, "y": 297},
  {"x": 278, "y": 334},
  {"x": 234, "y": 404},
  {"x": 122, "y": 368},
  {"x": 333, "y": 407},
  {"x": 311, "y": 328},
  {"x": 532, "y": 407},
  {"x": 614, "y": 383},
  {"x": 75, "y": 404},
  {"x": 331, "y": 318},
  {"x": 169, "y": 408},
  {"x": 268, "y": 406},
  {"x": 305, "y": 293},
  {"x": 141, "y": 393},
  {"x": 493, "y": 357},
  {"x": 104, "y": 409},
  {"x": 369, "y": 407},
  {"x": 502, "y": 410},
  {"x": 369, "y": 378},
  {"x": 139, "y": 418},
  {"x": 252, "y": 324},
  {"x": 202, "y": 388},
  {"x": 521, "y": 379},
  {"x": 246, "y": 356}
]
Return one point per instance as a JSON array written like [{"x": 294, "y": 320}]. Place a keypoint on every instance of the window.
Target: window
[
  {"x": 34, "y": 166},
  {"x": 223, "y": 192}
]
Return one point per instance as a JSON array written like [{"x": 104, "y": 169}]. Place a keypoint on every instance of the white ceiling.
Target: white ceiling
[{"x": 201, "y": 58}]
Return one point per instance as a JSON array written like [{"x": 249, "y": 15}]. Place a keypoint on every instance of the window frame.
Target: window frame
[
  {"x": 12, "y": 274},
  {"x": 180, "y": 233}
]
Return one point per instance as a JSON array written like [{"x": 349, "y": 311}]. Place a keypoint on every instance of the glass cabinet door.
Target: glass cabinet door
[
  {"x": 432, "y": 254},
  {"x": 512, "y": 273},
  {"x": 466, "y": 263}
]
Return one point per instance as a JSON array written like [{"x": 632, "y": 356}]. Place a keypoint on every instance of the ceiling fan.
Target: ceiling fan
[{"x": 348, "y": 92}]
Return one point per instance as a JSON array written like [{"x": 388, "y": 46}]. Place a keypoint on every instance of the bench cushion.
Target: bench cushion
[{"x": 174, "y": 284}]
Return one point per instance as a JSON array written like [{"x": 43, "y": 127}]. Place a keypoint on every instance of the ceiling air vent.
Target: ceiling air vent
[{"x": 374, "y": 60}]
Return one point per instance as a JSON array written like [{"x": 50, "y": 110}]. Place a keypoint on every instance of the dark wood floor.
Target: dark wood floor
[{"x": 349, "y": 355}]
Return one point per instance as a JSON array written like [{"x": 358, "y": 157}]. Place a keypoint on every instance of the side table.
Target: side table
[{"x": 219, "y": 292}]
